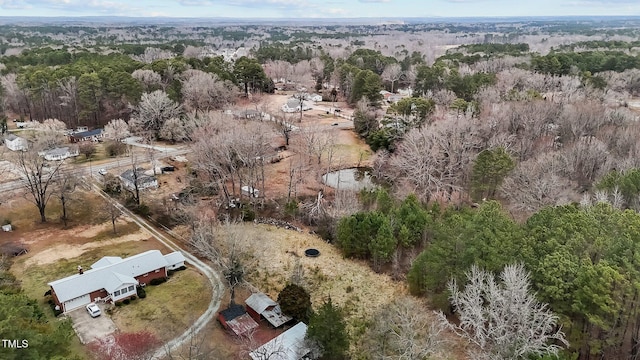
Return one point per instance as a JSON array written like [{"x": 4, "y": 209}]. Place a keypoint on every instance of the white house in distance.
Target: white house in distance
[
  {"x": 287, "y": 346},
  {"x": 129, "y": 179},
  {"x": 60, "y": 153},
  {"x": 112, "y": 278},
  {"x": 293, "y": 105},
  {"x": 15, "y": 143}
]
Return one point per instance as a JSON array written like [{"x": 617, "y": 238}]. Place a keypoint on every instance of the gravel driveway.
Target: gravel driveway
[{"x": 88, "y": 328}]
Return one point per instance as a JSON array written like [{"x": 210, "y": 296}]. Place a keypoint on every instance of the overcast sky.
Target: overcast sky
[{"x": 317, "y": 8}]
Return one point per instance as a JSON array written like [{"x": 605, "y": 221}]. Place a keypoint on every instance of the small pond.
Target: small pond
[{"x": 349, "y": 179}]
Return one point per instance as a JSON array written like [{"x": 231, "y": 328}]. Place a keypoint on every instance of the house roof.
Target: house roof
[
  {"x": 233, "y": 312},
  {"x": 109, "y": 276},
  {"x": 275, "y": 317},
  {"x": 107, "y": 260},
  {"x": 89, "y": 133},
  {"x": 175, "y": 257},
  {"x": 293, "y": 103},
  {"x": 142, "y": 178},
  {"x": 259, "y": 302},
  {"x": 287, "y": 346},
  {"x": 242, "y": 324},
  {"x": 57, "y": 151}
]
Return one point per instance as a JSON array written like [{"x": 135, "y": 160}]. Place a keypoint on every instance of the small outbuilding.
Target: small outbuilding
[
  {"x": 260, "y": 306},
  {"x": 235, "y": 319},
  {"x": 289, "y": 345},
  {"x": 175, "y": 260}
]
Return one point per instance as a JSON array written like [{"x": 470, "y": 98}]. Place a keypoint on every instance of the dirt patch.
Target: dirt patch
[{"x": 65, "y": 251}]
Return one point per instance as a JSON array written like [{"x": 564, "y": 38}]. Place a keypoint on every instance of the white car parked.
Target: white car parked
[
  {"x": 102, "y": 172},
  {"x": 93, "y": 310}
]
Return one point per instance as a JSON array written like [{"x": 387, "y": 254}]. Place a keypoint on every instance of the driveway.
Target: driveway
[{"x": 88, "y": 328}]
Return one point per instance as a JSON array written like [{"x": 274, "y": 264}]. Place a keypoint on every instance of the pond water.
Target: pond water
[{"x": 349, "y": 179}]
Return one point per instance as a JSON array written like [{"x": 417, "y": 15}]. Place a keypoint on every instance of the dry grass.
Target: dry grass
[{"x": 350, "y": 284}]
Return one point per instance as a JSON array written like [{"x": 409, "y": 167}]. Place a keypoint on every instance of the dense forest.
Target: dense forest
[{"x": 518, "y": 144}]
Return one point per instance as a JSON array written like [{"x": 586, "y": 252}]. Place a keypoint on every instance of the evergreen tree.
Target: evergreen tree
[{"x": 328, "y": 330}]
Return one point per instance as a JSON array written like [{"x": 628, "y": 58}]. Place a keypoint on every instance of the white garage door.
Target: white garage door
[{"x": 77, "y": 302}]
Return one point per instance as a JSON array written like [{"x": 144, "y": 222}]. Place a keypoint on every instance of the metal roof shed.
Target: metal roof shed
[{"x": 287, "y": 346}]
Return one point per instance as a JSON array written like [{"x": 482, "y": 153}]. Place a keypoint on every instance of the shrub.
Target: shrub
[
  {"x": 182, "y": 268},
  {"x": 133, "y": 297},
  {"x": 248, "y": 214},
  {"x": 141, "y": 292},
  {"x": 157, "y": 281},
  {"x": 126, "y": 301}
]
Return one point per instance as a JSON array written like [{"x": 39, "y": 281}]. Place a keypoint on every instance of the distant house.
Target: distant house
[
  {"x": 250, "y": 191},
  {"x": 260, "y": 306},
  {"x": 236, "y": 319},
  {"x": 91, "y": 135},
  {"x": 394, "y": 98},
  {"x": 130, "y": 177},
  {"x": 15, "y": 143},
  {"x": 289, "y": 345},
  {"x": 248, "y": 114},
  {"x": 111, "y": 278},
  {"x": 293, "y": 105},
  {"x": 314, "y": 97},
  {"x": 59, "y": 153}
]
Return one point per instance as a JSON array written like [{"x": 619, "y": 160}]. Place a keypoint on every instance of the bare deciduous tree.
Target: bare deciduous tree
[
  {"x": 225, "y": 249},
  {"x": 148, "y": 78},
  {"x": 66, "y": 186},
  {"x": 112, "y": 212},
  {"x": 174, "y": 130},
  {"x": 504, "y": 320},
  {"x": 117, "y": 129},
  {"x": 203, "y": 91},
  {"x": 404, "y": 330},
  {"x": 38, "y": 178},
  {"x": 435, "y": 160},
  {"x": 392, "y": 73},
  {"x": 538, "y": 182},
  {"x": 153, "y": 110}
]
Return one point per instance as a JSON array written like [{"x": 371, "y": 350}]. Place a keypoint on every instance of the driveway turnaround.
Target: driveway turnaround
[{"x": 88, "y": 328}]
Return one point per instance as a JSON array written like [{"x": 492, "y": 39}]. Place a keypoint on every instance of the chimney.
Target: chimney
[{"x": 80, "y": 271}]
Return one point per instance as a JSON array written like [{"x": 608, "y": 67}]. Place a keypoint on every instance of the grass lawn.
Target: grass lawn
[{"x": 169, "y": 308}]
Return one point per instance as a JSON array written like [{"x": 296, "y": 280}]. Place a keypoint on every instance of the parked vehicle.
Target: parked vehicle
[
  {"x": 102, "y": 172},
  {"x": 93, "y": 310}
]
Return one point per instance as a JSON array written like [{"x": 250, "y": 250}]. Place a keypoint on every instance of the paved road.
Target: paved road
[
  {"x": 214, "y": 278},
  {"x": 92, "y": 169}
]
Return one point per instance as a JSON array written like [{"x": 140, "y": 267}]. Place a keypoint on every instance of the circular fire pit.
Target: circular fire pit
[{"x": 312, "y": 253}]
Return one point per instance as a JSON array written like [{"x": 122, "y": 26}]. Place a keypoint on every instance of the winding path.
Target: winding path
[{"x": 216, "y": 284}]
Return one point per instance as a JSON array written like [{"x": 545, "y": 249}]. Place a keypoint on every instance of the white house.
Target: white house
[
  {"x": 250, "y": 191},
  {"x": 129, "y": 179},
  {"x": 59, "y": 153},
  {"x": 111, "y": 278},
  {"x": 315, "y": 97},
  {"x": 293, "y": 105},
  {"x": 15, "y": 143},
  {"x": 287, "y": 346},
  {"x": 175, "y": 260}
]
